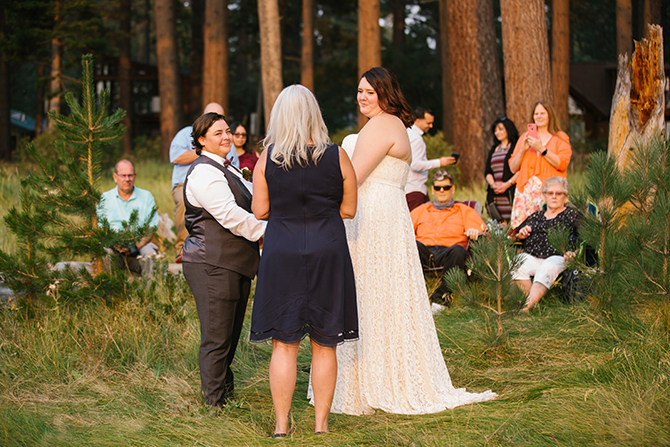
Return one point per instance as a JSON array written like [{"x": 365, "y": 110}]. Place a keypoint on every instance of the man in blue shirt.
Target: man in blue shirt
[
  {"x": 182, "y": 154},
  {"x": 116, "y": 206}
]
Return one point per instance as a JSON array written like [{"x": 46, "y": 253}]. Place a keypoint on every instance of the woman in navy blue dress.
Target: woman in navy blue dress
[{"x": 304, "y": 186}]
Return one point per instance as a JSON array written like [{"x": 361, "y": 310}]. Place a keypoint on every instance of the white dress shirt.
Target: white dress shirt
[
  {"x": 208, "y": 188},
  {"x": 418, "y": 175}
]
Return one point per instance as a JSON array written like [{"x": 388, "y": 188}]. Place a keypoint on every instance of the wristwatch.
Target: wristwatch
[{"x": 544, "y": 152}]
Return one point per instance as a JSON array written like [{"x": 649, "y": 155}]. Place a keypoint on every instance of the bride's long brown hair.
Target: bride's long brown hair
[{"x": 391, "y": 99}]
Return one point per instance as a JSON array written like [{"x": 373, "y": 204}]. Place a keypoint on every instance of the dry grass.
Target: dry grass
[{"x": 127, "y": 374}]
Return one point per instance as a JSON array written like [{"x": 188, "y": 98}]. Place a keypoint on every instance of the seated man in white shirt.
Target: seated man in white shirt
[
  {"x": 117, "y": 205},
  {"x": 416, "y": 191}
]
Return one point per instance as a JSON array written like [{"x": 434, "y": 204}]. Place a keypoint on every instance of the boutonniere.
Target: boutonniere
[{"x": 247, "y": 174}]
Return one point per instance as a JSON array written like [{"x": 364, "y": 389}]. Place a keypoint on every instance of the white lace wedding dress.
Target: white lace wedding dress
[{"x": 397, "y": 364}]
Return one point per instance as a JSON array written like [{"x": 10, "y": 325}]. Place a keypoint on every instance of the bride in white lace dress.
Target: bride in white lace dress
[{"x": 397, "y": 364}]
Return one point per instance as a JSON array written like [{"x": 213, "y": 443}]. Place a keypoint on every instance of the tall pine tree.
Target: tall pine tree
[{"x": 57, "y": 215}]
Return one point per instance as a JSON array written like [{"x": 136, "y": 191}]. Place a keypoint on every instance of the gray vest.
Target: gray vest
[{"x": 210, "y": 243}]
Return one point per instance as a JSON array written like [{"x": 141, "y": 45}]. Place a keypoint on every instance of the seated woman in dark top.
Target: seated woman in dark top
[{"x": 540, "y": 259}]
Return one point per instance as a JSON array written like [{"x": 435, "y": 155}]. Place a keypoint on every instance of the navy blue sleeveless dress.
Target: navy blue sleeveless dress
[{"x": 305, "y": 280}]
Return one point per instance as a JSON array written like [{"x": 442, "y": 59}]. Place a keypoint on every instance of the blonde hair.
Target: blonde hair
[{"x": 295, "y": 120}]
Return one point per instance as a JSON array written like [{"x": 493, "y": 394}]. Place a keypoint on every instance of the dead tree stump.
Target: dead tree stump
[{"x": 638, "y": 105}]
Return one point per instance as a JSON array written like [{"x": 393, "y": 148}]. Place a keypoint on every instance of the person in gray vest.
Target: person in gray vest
[
  {"x": 221, "y": 253},
  {"x": 181, "y": 156}
]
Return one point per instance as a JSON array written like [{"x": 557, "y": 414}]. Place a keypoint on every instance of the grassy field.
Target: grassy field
[{"x": 127, "y": 373}]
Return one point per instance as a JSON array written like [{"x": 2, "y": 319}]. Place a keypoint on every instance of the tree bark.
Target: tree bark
[
  {"x": 445, "y": 63},
  {"x": 560, "y": 58},
  {"x": 526, "y": 57},
  {"x": 271, "y": 68},
  {"x": 215, "y": 79},
  {"x": 624, "y": 27},
  {"x": 651, "y": 14},
  {"x": 369, "y": 42},
  {"x": 125, "y": 92},
  {"x": 307, "y": 57},
  {"x": 638, "y": 106},
  {"x": 55, "y": 87},
  {"x": 196, "y": 60},
  {"x": 143, "y": 33},
  {"x": 243, "y": 40},
  {"x": 492, "y": 101},
  {"x": 464, "y": 49},
  {"x": 398, "y": 25},
  {"x": 169, "y": 85}
]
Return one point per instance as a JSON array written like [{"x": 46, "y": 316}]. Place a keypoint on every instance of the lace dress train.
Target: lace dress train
[{"x": 397, "y": 364}]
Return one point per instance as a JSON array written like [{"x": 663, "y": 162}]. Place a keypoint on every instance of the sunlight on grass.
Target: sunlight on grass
[{"x": 127, "y": 373}]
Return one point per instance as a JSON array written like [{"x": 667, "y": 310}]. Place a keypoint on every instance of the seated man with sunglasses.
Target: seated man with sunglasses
[{"x": 442, "y": 229}]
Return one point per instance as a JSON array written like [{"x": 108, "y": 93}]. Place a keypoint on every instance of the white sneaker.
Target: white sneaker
[{"x": 436, "y": 308}]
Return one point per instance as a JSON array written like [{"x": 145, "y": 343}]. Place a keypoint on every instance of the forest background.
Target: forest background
[
  {"x": 469, "y": 61},
  {"x": 126, "y": 372}
]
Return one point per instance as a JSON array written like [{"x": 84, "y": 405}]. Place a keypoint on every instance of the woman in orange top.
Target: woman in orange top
[{"x": 537, "y": 159}]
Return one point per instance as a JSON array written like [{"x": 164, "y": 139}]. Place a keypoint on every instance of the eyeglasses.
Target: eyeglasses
[
  {"x": 442, "y": 188},
  {"x": 126, "y": 176},
  {"x": 240, "y": 135},
  {"x": 554, "y": 193}
]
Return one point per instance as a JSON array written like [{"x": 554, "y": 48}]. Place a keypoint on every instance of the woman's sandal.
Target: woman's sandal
[{"x": 277, "y": 435}]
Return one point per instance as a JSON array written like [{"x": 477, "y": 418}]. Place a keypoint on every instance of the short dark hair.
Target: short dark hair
[
  {"x": 420, "y": 112},
  {"x": 233, "y": 128},
  {"x": 441, "y": 175},
  {"x": 201, "y": 126},
  {"x": 391, "y": 99}
]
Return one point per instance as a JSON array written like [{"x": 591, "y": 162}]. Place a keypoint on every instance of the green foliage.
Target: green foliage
[
  {"x": 492, "y": 260},
  {"x": 437, "y": 147},
  {"x": 57, "y": 214},
  {"x": 147, "y": 148},
  {"x": 631, "y": 230}
]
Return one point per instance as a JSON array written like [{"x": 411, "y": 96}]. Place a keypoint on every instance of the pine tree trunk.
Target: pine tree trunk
[
  {"x": 638, "y": 106},
  {"x": 215, "y": 78},
  {"x": 169, "y": 85},
  {"x": 651, "y": 14},
  {"x": 55, "y": 90},
  {"x": 307, "y": 56},
  {"x": 560, "y": 58},
  {"x": 243, "y": 40},
  {"x": 271, "y": 67},
  {"x": 526, "y": 58},
  {"x": 143, "y": 31},
  {"x": 196, "y": 60},
  {"x": 445, "y": 64},
  {"x": 624, "y": 27},
  {"x": 493, "y": 106},
  {"x": 398, "y": 26},
  {"x": 125, "y": 92},
  {"x": 464, "y": 50},
  {"x": 369, "y": 42}
]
